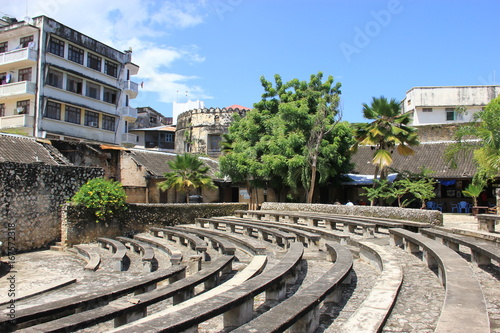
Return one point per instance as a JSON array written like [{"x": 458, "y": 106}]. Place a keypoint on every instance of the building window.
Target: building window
[
  {"x": 74, "y": 84},
  {"x": 94, "y": 61},
  {"x": 91, "y": 119},
  {"x": 56, "y": 47},
  {"x": 108, "y": 123},
  {"x": 23, "y": 107},
  {"x": 3, "y": 47},
  {"x": 24, "y": 74},
  {"x": 93, "y": 90},
  {"x": 25, "y": 41},
  {"x": 72, "y": 115},
  {"x": 75, "y": 54},
  {"x": 55, "y": 78},
  {"x": 169, "y": 137},
  {"x": 53, "y": 110},
  {"x": 450, "y": 114},
  {"x": 3, "y": 78},
  {"x": 2, "y": 110},
  {"x": 110, "y": 96},
  {"x": 214, "y": 144},
  {"x": 426, "y": 109},
  {"x": 153, "y": 120},
  {"x": 110, "y": 68}
]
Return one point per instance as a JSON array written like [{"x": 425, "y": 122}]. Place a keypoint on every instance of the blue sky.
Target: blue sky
[{"x": 217, "y": 50}]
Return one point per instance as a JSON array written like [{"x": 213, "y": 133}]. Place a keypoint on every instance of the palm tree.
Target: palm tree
[
  {"x": 188, "y": 173},
  {"x": 388, "y": 130}
]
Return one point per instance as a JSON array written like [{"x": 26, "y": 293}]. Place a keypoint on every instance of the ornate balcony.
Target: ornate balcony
[
  {"x": 18, "y": 89},
  {"x": 128, "y": 113}
]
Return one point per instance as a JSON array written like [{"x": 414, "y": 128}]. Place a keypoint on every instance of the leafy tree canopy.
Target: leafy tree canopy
[
  {"x": 485, "y": 127},
  {"x": 292, "y": 138}
]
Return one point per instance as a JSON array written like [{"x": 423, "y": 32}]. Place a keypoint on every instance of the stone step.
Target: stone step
[{"x": 56, "y": 248}]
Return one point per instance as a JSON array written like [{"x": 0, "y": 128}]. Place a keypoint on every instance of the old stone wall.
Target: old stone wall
[
  {"x": 419, "y": 215},
  {"x": 79, "y": 226},
  {"x": 31, "y": 196}
]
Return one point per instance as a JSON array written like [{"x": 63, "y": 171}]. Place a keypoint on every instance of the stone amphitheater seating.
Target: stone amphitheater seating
[
  {"x": 92, "y": 258},
  {"x": 119, "y": 252},
  {"x": 54, "y": 309},
  {"x": 235, "y": 304},
  {"x": 295, "y": 237},
  {"x": 300, "y": 312},
  {"x": 147, "y": 252},
  {"x": 462, "y": 287},
  {"x": 482, "y": 251}
]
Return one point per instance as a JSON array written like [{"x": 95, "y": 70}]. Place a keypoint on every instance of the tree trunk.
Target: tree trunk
[{"x": 310, "y": 194}]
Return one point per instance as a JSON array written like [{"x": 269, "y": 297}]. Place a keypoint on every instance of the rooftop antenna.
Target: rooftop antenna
[
  {"x": 187, "y": 95},
  {"x": 177, "y": 96}
]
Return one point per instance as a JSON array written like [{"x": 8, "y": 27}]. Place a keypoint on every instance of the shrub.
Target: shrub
[{"x": 104, "y": 197}]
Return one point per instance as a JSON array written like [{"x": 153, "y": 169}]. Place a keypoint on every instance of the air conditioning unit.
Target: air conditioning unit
[
  {"x": 20, "y": 110},
  {"x": 93, "y": 124}
]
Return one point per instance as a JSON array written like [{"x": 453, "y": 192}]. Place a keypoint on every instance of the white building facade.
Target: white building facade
[
  {"x": 447, "y": 105},
  {"x": 58, "y": 83}
]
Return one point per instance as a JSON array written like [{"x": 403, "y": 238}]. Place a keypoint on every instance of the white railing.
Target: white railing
[
  {"x": 128, "y": 113},
  {"x": 18, "y": 88},
  {"x": 22, "y": 120},
  {"x": 18, "y": 55}
]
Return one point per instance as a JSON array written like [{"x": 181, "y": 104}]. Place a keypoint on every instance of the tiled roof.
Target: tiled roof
[
  {"x": 236, "y": 106},
  {"x": 21, "y": 149},
  {"x": 428, "y": 155},
  {"x": 157, "y": 162}
]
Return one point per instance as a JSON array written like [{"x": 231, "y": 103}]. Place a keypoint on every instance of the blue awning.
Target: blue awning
[{"x": 365, "y": 179}]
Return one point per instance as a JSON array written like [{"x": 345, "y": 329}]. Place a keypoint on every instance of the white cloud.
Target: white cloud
[{"x": 139, "y": 24}]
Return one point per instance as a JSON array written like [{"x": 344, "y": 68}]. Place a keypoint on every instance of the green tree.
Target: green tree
[
  {"x": 486, "y": 151},
  {"x": 188, "y": 173},
  {"x": 388, "y": 130},
  {"x": 104, "y": 197},
  {"x": 291, "y": 139}
]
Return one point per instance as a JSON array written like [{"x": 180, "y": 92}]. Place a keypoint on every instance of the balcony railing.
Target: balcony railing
[
  {"x": 129, "y": 140},
  {"x": 26, "y": 55},
  {"x": 17, "y": 121},
  {"x": 131, "y": 88},
  {"x": 128, "y": 113},
  {"x": 17, "y": 89}
]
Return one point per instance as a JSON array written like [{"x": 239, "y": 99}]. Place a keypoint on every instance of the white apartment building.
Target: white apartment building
[
  {"x": 447, "y": 105},
  {"x": 58, "y": 83}
]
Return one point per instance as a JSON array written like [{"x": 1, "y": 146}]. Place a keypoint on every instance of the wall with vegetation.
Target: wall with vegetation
[{"x": 79, "y": 226}]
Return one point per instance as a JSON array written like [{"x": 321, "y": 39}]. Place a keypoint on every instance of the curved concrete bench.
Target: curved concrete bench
[
  {"x": 147, "y": 252},
  {"x": 56, "y": 309},
  {"x": 196, "y": 243},
  {"x": 235, "y": 304},
  {"x": 124, "y": 311},
  {"x": 482, "y": 251},
  {"x": 175, "y": 254},
  {"x": 309, "y": 238},
  {"x": 371, "y": 315},
  {"x": 245, "y": 243},
  {"x": 312, "y": 218},
  {"x": 463, "y": 291},
  {"x": 92, "y": 258},
  {"x": 221, "y": 244},
  {"x": 118, "y": 249},
  {"x": 278, "y": 237},
  {"x": 300, "y": 312}
]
